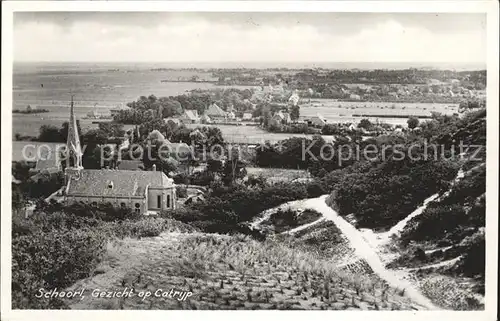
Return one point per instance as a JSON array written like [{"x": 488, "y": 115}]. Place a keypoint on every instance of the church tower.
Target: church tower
[{"x": 73, "y": 148}]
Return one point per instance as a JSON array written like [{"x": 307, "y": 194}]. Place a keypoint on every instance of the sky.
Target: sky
[{"x": 249, "y": 37}]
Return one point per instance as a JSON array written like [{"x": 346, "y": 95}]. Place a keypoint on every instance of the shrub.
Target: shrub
[
  {"x": 50, "y": 260},
  {"x": 181, "y": 191}
]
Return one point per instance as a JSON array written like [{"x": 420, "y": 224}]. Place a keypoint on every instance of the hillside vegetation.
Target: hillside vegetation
[
  {"x": 234, "y": 272},
  {"x": 445, "y": 245}
]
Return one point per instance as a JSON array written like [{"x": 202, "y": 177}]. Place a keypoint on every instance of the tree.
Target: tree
[
  {"x": 112, "y": 129},
  {"x": 331, "y": 129},
  {"x": 169, "y": 107},
  {"x": 233, "y": 168},
  {"x": 295, "y": 112},
  {"x": 63, "y": 131},
  {"x": 51, "y": 134},
  {"x": 365, "y": 123},
  {"x": 412, "y": 122}
]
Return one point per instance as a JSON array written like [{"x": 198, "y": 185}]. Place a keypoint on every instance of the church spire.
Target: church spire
[{"x": 74, "y": 159}]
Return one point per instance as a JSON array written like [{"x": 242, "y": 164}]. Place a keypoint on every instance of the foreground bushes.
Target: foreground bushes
[
  {"x": 57, "y": 246},
  {"x": 52, "y": 259}
]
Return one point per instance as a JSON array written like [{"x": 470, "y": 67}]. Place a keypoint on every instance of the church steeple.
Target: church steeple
[{"x": 74, "y": 150}]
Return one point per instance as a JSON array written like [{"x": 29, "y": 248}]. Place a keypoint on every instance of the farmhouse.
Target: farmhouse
[
  {"x": 318, "y": 121},
  {"x": 294, "y": 99},
  {"x": 205, "y": 119},
  {"x": 247, "y": 117},
  {"x": 146, "y": 192},
  {"x": 116, "y": 111},
  {"x": 280, "y": 118},
  {"x": 190, "y": 117},
  {"x": 215, "y": 112}
]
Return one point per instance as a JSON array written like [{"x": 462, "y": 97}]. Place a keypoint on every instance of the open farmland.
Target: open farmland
[
  {"x": 345, "y": 111},
  {"x": 253, "y": 135},
  {"x": 29, "y": 124}
]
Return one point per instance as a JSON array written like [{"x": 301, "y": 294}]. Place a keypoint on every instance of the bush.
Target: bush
[
  {"x": 101, "y": 211},
  {"x": 57, "y": 246},
  {"x": 474, "y": 260},
  {"x": 387, "y": 193},
  {"x": 50, "y": 260},
  {"x": 225, "y": 208},
  {"x": 181, "y": 191},
  {"x": 147, "y": 227}
]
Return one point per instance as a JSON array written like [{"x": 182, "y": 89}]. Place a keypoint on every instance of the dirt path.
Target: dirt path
[
  {"x": 363, "y": 249},
  {"x": 368, "y": 252},
  {"x": 436, "y": 265},
  {"x": 303, "y": 227}
]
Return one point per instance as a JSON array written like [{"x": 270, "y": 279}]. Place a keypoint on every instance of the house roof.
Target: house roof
[
  {"x": 156, "y": 135},
  {"x": 282, "y": 115},
  {"x": 247, "y": 116},
  {"x": 191, "y": 114},
  {"x": 319, "y": 117},
  {"x": 123, "y": 182},
  {"x": 214, "y": 110},
  {"x": 45, "y": 174},
  {"x": 49, "y": 163}
]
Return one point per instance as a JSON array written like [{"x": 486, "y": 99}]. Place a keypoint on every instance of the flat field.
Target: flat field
[
  {"x": 253, "y": 134},
  {"x": 345, "y": 111}
]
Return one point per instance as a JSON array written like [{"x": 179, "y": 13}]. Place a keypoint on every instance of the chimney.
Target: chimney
[{"x": 154, "y": 167}]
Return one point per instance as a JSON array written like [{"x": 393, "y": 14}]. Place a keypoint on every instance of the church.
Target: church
[{"x": 145, "y": 192}]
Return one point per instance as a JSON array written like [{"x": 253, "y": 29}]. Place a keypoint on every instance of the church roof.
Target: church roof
[
  {"x": 130, "y": 165},
  {"x": 115, "y": 183}
]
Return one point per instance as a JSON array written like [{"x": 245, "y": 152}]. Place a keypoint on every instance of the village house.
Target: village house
[
  {"x": 216, "y": 113},
  {"x": 280, "y": 118},
  {"x": 145, "y": 192},
  {"x": 172, "y": 121},
  {"x": 294, "y": 99},
  {"x": 317, "y": 121},
  {"x": 205, "y": 119},
  {"x": 190, "y": 117},
  {"x": 247, "y": 117},
  {"x": 116, "y": 111}
]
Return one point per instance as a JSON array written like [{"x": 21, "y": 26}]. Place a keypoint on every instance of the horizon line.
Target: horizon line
[{"x": 279, "y": 64}]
